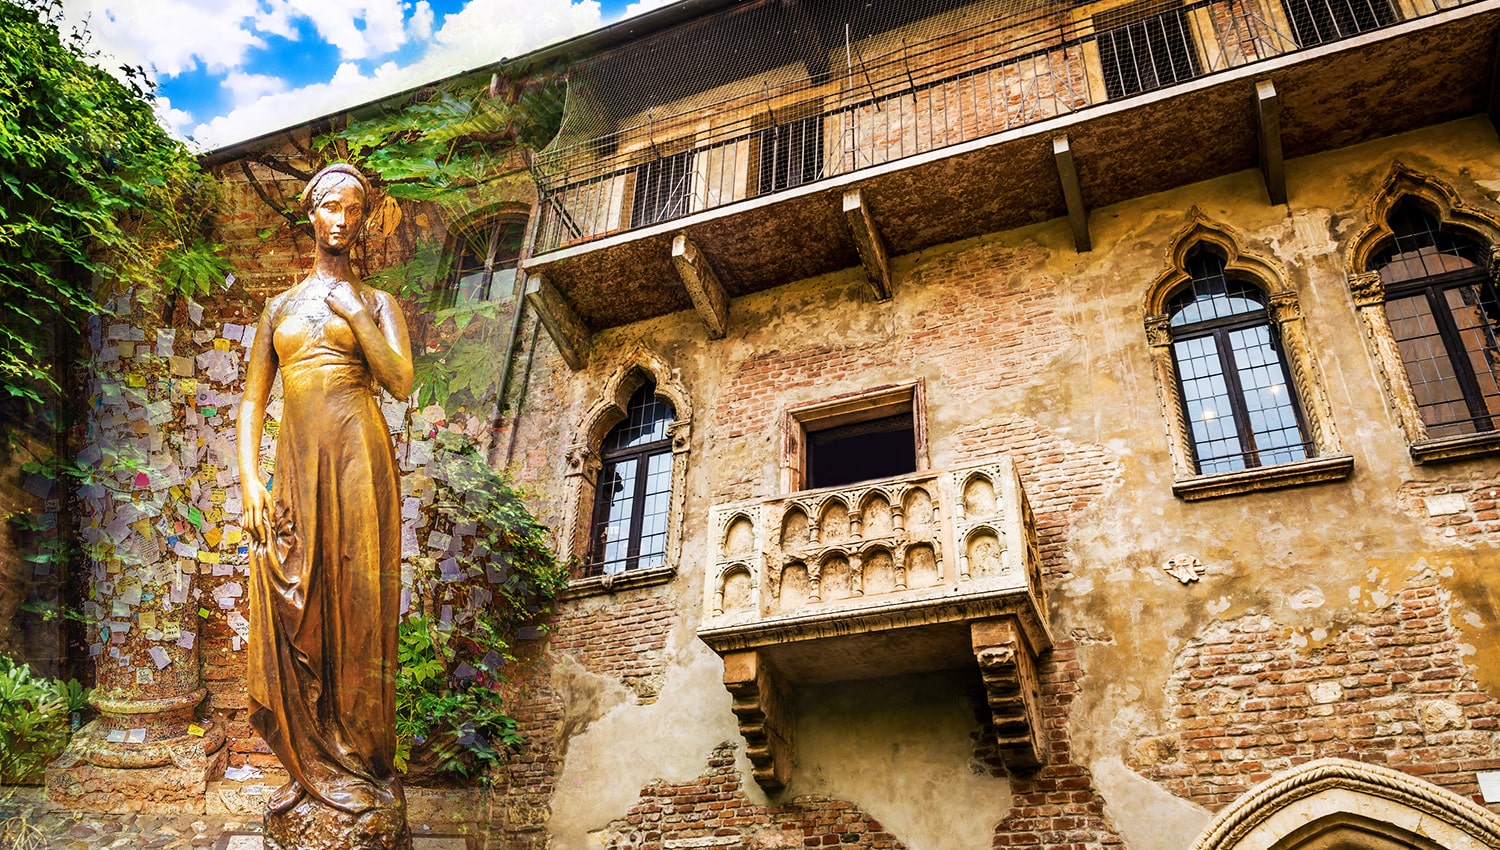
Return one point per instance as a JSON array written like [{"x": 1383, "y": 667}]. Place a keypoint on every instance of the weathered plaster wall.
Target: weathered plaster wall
[{"x": 1030, "y": 349}]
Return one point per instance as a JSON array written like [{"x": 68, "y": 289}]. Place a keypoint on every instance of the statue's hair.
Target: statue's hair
[{"x": 314, "y": 191}]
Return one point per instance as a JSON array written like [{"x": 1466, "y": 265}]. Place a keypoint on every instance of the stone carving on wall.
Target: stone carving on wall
[
  {"x": 1185, "y": 568},
  {"x": 914, "y": 533}
]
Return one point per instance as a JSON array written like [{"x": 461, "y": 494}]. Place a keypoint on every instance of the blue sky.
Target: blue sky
[{"x": 229, "y": 70}]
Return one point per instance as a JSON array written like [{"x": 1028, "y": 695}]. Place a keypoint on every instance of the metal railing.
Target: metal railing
[{"x": 921, "y": 98}]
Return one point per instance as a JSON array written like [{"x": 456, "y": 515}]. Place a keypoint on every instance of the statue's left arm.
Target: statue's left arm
[{"x": 382, "y": 336}]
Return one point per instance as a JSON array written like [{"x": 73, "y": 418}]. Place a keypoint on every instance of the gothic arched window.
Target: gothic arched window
[
  {"x": 632, "y": 499},
  {"x": 486, "y": 260},
  {"x": 1444, "y": 315},
  {"x": 1236, "y": 391}
]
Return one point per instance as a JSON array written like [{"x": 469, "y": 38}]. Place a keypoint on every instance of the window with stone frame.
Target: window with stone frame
[
  {"x": 1444, "y": 316},
  {"x": 1237, "y": 394},
  {"x": 1244, "y": 406},
  {"x": 632, "y": 495},
  {"x": 863, "y": 436},
  {"x": 486, "y": 259}
]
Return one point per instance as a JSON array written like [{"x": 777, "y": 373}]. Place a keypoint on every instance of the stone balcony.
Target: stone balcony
[{"x": 936, "y": 570}]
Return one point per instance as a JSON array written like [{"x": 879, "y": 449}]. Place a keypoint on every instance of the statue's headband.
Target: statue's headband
[{"x": 324, "y": 181}]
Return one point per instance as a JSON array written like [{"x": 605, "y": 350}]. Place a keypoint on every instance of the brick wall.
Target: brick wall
[
  {"x": 1467, "y": 512},
  {"x": 1001, "y": 337},
  {"x": 1061, "y": 477},
  {"x": 621, "y": 637},
  {"x": 714, "y": 811},
  {"x": 1058, "y": 807},
  {"x": 1392, "y": 688}
]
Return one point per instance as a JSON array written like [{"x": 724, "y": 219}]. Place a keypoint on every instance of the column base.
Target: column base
[
  {"x": 167, "y": 775},
  {"x": 310, "y": 825}
]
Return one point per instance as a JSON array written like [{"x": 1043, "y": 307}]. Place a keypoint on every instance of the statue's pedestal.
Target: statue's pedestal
[
  {"x": 168, "y": 771},
  {"x": 310, "y": 825}
]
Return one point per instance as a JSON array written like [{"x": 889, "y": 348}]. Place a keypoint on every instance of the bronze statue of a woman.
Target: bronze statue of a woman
[{"x": 325, "y": 564}]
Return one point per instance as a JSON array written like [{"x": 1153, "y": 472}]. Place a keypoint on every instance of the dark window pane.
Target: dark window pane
[
  {"x": 613, "y": 512},
  {"x": 646, "y": 421},
  {"x": 791, "y": 154},
  {"x": 1444, "y": 315},
  {"x": 632, "y": 500},
  {"x": 1317, "y": 21},
  {"x": 1476, "y": 314},
  {"x": 862, "y": 451},
  {"x": 1147, "y": 54},
  {"x": 1419, "y": 249}
]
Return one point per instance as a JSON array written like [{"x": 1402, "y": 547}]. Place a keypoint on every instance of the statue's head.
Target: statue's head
[{"x": 336, "y": 200}]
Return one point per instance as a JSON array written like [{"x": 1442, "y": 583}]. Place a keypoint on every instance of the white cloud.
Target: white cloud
[
  {"x": 644, "y": 6},
  {"x": 169, "y": 36},
  {"x": 484, "y": 31},
  {"x": 489, "y": 30},
  {"x": 360, "y": 29},
  {"x": 420, "y": 25},
  {"x": 177, "y": 121},
  {"x": 247, "y": 88}
]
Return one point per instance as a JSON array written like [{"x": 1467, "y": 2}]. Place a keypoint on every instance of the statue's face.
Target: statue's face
[{"x": 338, "y": 215}]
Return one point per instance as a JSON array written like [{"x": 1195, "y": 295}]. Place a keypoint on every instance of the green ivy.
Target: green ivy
[
  {"x": 92, "y": 190},
  {"x": 450, "y": 710},
  {"x": 35, "y": 720}
]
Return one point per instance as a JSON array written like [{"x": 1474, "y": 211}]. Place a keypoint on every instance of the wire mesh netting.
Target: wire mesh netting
[{"x": 769, "y": 95}]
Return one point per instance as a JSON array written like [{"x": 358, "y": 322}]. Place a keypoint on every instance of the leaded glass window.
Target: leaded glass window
[
  {"x": 1237, "y": 394},
  {"x": 633, "y": 494},
  {"x": 1445, "y": 317}
]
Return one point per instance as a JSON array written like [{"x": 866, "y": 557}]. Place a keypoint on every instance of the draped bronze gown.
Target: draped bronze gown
[{"x": 326, "y": 591}]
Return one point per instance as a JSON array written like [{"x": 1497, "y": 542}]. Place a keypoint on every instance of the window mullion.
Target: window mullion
[
  {"x": 1248, "y": 451},
  {"x": 642, "y": 457}
]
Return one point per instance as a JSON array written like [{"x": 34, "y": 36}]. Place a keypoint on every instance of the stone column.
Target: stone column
[
  {"x": 147, "y": 750},
  {"x": 150, "y": 519}
]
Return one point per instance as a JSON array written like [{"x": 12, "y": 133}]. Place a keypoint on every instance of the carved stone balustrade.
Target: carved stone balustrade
[{"x": 936, "y": 570}]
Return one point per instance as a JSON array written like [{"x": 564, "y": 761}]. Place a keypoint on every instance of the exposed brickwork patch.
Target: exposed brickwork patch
[
  {"x": 1465, "y": 512},
  {"x": 622, "y": 638},
  {"x": 1060, "y": 477},
  {"x": 995, "y": 327},
  {"x": 1058, "y": 808},
  {"x": 1391, "y": 689},
  {"x": 998, "y": 323},
  {"x": 713, "y": 811}
]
